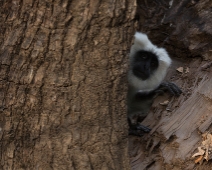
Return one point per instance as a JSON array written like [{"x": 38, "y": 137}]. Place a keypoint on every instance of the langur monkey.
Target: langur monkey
[{"x": 148, "y": 67}]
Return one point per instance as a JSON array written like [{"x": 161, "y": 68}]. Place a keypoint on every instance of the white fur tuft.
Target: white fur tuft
[{"x": 142, "y": 42}]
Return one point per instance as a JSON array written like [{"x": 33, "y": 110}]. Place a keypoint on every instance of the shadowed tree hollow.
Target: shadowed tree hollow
[
  {"x": 184, "y": 29},
  {"x": 63, "y": 84}
]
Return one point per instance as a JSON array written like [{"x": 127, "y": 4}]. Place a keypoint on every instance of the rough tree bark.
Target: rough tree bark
[
  {"x": 184, "y": 28},
  {"x": 63, "y": 83}
]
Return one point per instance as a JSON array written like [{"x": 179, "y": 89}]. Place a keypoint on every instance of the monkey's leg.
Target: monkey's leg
[
  {"x": 137, "y": 129},
  {"x": 135, "y": 132}
]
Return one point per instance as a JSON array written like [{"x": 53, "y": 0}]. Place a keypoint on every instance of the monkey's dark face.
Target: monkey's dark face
[{"x": 144, "y": 64}]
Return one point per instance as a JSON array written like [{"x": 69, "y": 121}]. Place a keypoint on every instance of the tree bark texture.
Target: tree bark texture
[
  {"x": 184, "y": 28},
  {"x": 63, "y": 83}
]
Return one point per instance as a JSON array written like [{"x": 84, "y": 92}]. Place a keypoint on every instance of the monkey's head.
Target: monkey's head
[
  {"x": 144, "y": 64},
  {"x": 148, "y": 64}
]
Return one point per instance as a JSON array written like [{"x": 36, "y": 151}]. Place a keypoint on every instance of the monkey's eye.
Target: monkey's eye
[
  {"x": 153, "y": 63},
  {"x": 144, "y": 57}
]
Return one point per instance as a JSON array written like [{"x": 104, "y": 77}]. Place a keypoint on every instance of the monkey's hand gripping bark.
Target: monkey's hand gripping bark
[{"x": 172, "y": 88}]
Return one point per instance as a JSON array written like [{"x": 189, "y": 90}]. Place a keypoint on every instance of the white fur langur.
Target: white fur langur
[{"x": 148, "y": 67}]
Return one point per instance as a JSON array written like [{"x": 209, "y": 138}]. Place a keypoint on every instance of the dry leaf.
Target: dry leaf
[
  {"x": 204, "y": 136},
  {"x": 187, "y": 70},
  {"x": 198, "y": 160},
  {"x": 205, "y": 150},
  {"x": 200, "y": 152},
  {"x": 209, "y": 155},
  {"x": 208, "y": 141},
  {"x": 206, "y": 155},
  {"x": 165, "y": 103},
  {"x": 180, "y": 69},
  {"x": 206, "y": 65}
]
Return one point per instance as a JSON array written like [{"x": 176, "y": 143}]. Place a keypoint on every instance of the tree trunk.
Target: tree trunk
[
  {"x": 63, "y": 83},
  {"x": 184, "y": 28}
]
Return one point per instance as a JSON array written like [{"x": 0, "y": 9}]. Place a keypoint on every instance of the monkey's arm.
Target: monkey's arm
[{"x": 172, "y": 88}]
